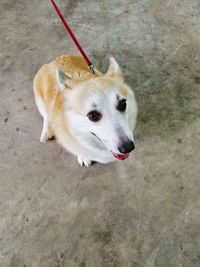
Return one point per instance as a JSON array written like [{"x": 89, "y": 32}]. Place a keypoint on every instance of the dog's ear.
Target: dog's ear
[
  {"x": 114, "y": 69},
  {"x": 62, "y": 79}
]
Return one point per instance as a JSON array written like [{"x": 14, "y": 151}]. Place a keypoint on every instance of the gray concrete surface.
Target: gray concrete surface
[{"x": 144, "y": 212}]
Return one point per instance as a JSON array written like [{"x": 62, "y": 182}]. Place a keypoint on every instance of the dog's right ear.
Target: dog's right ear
[
  {"x": 62, "y": 80},
  {"x": 114, "y": 69}
]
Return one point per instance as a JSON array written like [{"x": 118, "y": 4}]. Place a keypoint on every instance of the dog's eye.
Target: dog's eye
[
  {"x": 94, "y": 116},
  {"x": 122, "y": 105}
]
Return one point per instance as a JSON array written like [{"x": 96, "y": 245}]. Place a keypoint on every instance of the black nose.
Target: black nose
[{"x": 126, "y": 147}]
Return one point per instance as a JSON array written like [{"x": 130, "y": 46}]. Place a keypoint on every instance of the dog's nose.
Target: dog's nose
[{"x": 127, "y": 147}]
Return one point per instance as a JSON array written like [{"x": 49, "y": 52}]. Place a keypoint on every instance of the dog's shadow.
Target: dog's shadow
[{"x": 165, "y": 89}]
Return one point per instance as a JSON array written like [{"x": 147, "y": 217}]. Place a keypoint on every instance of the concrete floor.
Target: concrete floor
[{"x": 144, "y": 212}]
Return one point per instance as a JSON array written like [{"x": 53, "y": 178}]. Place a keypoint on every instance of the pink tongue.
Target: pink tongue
[{"x": 120, "y": 156}]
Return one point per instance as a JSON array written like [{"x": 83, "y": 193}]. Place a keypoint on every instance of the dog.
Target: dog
[{"x": 91, "y": 115}]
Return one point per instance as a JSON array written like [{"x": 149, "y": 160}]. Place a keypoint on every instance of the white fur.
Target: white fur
[{"x": 113, "y": 126}]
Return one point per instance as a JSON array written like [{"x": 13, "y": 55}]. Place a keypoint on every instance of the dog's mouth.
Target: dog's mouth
[
  {"x": 117, "y": 156},
  {"x": 121, "y": 156}
]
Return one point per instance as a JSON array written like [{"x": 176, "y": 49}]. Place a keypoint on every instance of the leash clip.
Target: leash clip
[{"x": 91, "y": 67}]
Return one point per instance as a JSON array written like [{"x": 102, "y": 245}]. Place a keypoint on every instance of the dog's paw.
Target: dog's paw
[
  {"x": 45, "y": 139},
  {"x": 47, "y": 136},
  {"x": 84, "y": 162}
]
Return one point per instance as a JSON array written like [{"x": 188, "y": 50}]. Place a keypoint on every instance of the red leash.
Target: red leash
[{"x": 89, "y": 63}]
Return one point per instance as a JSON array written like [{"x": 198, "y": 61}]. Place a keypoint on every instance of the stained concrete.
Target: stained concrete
[{"x": 144, "y": 212}]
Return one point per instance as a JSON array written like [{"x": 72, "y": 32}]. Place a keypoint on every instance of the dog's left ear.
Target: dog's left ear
[
  {"x": 62, "y": 79},
  {"x": 114, "y": 69}
]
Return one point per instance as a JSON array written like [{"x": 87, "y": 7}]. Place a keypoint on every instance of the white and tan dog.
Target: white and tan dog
[{"x": 91, "y": 115}]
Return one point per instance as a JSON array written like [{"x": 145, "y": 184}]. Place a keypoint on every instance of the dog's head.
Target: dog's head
[{"x": 102, "y": 108}]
